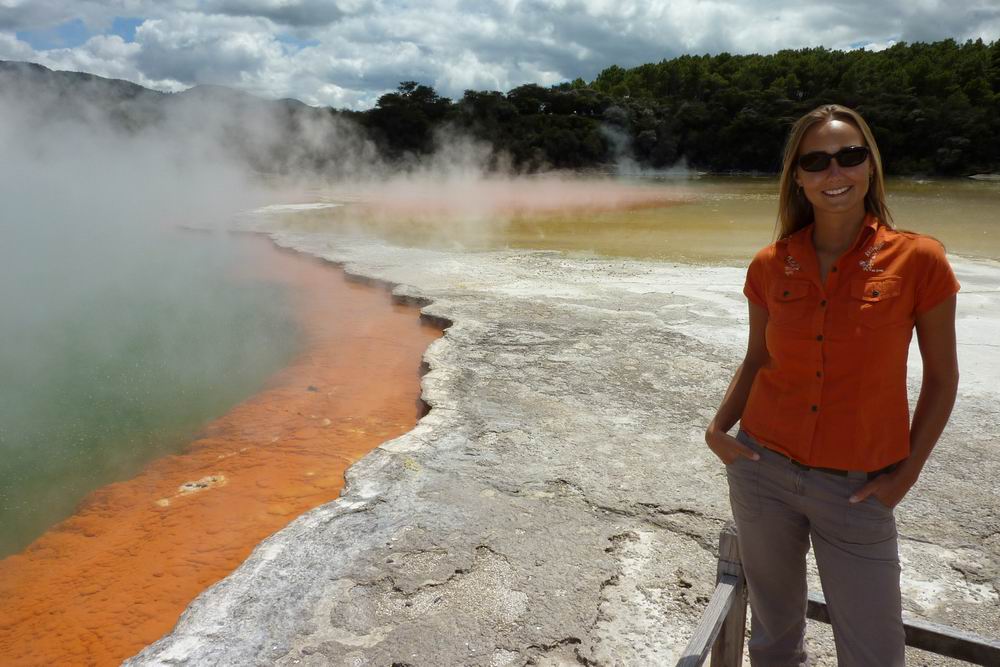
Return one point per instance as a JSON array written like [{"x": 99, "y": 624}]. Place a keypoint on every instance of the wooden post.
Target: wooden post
[{"x": 728, "y": 648}]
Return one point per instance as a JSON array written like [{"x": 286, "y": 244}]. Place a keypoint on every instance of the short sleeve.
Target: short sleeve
[
  {"x": 755, "y": 286},
  {"x": 936, "y": 281}
]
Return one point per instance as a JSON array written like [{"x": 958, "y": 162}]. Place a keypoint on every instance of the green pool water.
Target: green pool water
[{"x": 115, "y": 352}]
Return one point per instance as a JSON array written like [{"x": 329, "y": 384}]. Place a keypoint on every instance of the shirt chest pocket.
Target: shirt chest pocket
[
  {"x": 876, "y": 302},
  {"x": 789, "y": 302}
]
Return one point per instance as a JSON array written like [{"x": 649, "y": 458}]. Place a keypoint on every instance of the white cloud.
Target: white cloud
[
  {"x": 104, "y": 55},
  {"x": 97, "y": 14},
  {"x": 193, "y": 48},
  {"x": 879, "y": 46},
  {"x": 13, "y": 49},
  {"x": 348, "y": 52}
]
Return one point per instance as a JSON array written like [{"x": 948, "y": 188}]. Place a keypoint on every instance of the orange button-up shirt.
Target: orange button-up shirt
[{"x": 833, "y": 394}]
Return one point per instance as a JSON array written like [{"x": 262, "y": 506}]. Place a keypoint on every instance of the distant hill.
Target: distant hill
[
  {"x": 57, "y": 95},
  {"x": 272, "y": 136},
  {"x": 81, "y": 83}
]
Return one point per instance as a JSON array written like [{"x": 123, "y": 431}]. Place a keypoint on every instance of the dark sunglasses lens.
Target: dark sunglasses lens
[
  {"x": 852, "y": 157},
  {"x": 817, "y": 161}
]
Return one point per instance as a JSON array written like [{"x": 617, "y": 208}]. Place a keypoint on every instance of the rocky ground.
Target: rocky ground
[{"x": 557, "y": 505}]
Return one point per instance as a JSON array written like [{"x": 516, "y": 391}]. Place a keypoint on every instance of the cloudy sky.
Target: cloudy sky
[{"x": 345, "y": 53}]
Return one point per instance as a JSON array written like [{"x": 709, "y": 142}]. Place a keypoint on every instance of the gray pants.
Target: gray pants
[{"x": 779, "y": 507}]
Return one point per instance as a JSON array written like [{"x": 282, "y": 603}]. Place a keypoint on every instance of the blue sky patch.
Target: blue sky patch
[
  {"x": 65, "y": 36},
  {"x": 124, "y": 27},
  {"x": 74, "y": 33}
]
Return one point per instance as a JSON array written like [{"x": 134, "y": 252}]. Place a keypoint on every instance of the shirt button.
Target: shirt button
[
  {"x": 819, "y": 337},
  {"x": 823, "y": 302},
  {"x": 819, "y": 374},
  {"x": 834, "y": 269},
  {"x": 815, "y": 408}
]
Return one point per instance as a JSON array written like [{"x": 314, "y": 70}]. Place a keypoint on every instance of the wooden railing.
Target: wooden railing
[{"x": 722, "y": 627}]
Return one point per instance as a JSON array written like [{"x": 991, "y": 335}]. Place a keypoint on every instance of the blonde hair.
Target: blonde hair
[{"x": 794, "y": 210}]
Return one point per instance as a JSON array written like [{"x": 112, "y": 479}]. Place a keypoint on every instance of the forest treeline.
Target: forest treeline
[{"x": 934, "y": 107}]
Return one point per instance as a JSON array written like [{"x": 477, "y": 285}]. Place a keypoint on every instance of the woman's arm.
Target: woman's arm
[
  {"x": 936, "y": 337},
  {"x": 726, "y": 447}
]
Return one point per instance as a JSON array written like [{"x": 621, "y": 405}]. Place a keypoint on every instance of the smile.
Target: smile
[{"x": 837, "y": 192}]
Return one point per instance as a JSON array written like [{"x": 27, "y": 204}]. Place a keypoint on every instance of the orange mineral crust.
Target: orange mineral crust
[{"x": 98, "y": 587}]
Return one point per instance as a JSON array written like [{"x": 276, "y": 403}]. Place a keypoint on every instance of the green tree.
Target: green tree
[{"x": 404, "y": 121}]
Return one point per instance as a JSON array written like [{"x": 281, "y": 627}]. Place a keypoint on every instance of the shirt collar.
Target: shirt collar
[
  {"x": 868, "y": 229},
  {"x": 802, "y": 239}
]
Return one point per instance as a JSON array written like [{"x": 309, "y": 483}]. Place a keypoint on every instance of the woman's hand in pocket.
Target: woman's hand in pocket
[
  {"x": 726, "y": 447},
  {"x": 888, "y": 489}
]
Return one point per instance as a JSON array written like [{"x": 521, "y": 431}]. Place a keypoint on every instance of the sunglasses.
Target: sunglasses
[{"x": 848, "y": 156}]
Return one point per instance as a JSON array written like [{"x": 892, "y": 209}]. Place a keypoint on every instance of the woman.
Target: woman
[{"x": 826, "y": 448}]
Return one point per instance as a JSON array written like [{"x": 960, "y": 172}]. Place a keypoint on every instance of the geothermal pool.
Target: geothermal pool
[
  {"x": 100, "y": 379},
  {"x": 116, "y": 574}
]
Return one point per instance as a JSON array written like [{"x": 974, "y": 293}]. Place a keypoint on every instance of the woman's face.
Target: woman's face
[{"x": 837, "y": 190}]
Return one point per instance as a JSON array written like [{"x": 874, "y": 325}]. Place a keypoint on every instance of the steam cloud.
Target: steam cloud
[{"x": 96, "y": 179}]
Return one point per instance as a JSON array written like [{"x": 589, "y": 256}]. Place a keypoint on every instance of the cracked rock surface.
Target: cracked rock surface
[{"x": 557, "y": 505}]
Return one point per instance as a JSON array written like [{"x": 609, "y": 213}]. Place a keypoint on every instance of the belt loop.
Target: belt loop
[{"x": 857, "y": 474}]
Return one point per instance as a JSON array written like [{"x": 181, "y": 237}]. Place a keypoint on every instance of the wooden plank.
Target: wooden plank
[
  {"x": 816, "y": 608},
  {"x": 711, "y": 622},
  {"x": 722, "y": 627},
  {"x": 933, "y": 637},
  {"x": 728, "y": 649}
]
